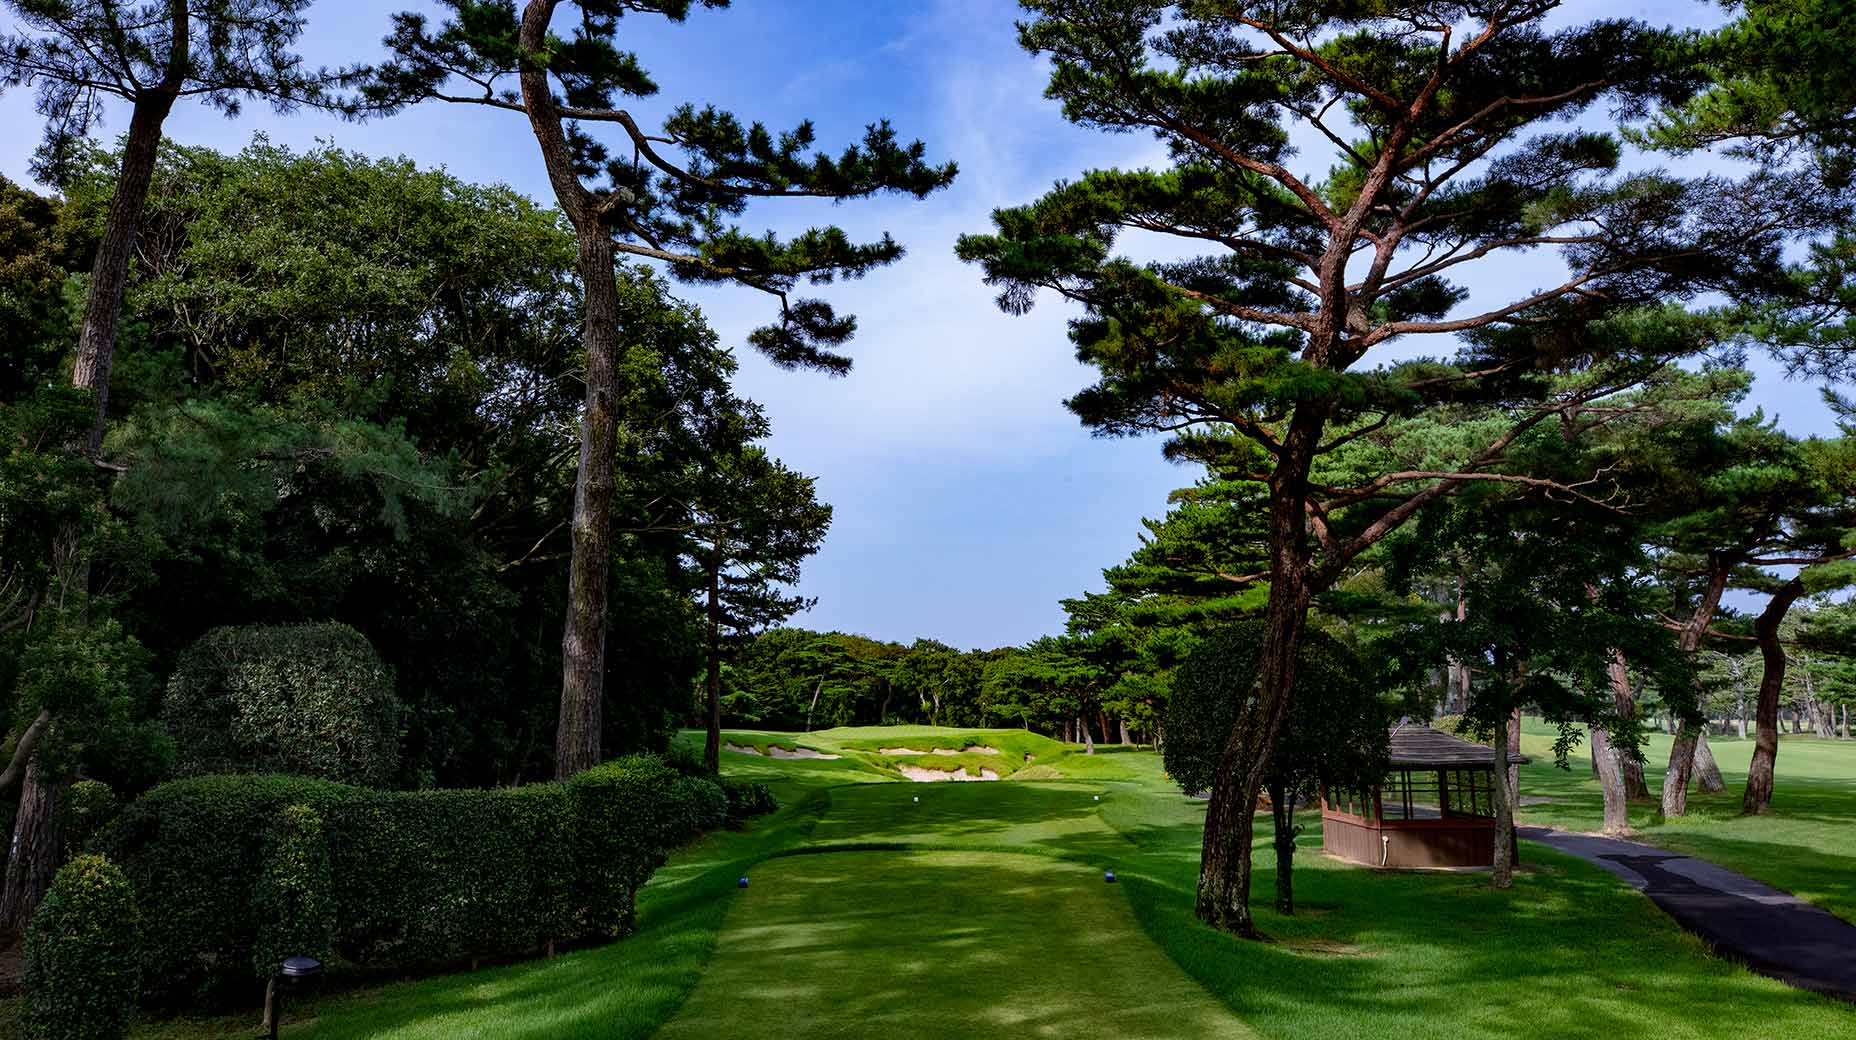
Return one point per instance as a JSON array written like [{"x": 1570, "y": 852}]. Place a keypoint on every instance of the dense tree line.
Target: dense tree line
[{"x": 344, "y": 392}]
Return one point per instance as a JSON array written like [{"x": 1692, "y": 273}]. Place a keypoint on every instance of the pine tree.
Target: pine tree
[
  {"x": 1438, "y": 121},
  {"x": 669, "y": 196}
]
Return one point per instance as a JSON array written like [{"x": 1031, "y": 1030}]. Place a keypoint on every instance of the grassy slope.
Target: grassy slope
[
  {"x": 1806, "y": 846},
  {"x": 1569, "y": 952}
]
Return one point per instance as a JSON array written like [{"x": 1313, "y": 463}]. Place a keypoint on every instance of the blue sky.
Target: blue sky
[{"x": 968, "y": 501}]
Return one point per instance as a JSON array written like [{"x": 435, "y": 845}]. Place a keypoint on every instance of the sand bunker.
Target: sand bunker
[
  {"x": 972, "y": 749},
  {"x": 743, "y": 749},
  {"x": 799, "y": 752},
  {"x": 930, "y": 776}
]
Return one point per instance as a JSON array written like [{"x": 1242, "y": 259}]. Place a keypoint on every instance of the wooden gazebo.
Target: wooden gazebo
[{"x": 1436, "y": 807}]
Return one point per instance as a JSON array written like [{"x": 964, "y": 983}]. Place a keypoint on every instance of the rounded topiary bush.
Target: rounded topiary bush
[
  {"x": 311, "y": 700},
  {"x": 83, "y": 956}
]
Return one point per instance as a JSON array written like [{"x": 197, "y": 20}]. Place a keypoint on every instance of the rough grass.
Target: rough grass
[
  {"x": 1806, "y": 845},
  {"x": 960, "y": 909}
]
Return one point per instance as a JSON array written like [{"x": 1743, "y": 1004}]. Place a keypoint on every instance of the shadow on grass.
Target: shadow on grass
[{"x": 1569, "y": 951}]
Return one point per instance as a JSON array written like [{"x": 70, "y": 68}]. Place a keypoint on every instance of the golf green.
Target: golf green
[{"x": 940, "y": 943}]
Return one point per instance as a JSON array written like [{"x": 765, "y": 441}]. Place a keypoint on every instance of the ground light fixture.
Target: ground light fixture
[{"x": 296, "y": 974}]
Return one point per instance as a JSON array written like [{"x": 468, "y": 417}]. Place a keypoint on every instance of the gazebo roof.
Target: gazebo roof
[{"x": 1421, "y": 747}]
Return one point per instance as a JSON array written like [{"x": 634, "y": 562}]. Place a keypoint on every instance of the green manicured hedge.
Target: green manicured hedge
[
  {"x": 414, "y": 878},
  {"x": 82, "y": 955}
]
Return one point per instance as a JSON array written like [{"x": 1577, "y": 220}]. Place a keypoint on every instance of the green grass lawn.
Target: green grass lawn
[
  {"x": 1806, "y": 846},
  {"x": 955, "y": 909}
]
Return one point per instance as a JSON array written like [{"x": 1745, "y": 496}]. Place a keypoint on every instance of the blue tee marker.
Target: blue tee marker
[
  {"x": 743, "y": 883},
  {"x": 1107, "y": 878}
]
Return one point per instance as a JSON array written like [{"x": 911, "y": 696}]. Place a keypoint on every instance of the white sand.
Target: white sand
[
  {"x": 741, "y": 750},
  {"x": 930, "y": 776},
  {"x": 805, "y": 752}
]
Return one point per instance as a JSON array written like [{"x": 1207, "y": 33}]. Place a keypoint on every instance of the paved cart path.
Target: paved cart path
[{"x": 1775, "y": 933}]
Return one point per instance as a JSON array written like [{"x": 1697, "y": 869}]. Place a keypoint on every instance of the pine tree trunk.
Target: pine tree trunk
[
  {"x": 1089, "y": 742},
  {"x": 1503, "y": 797},
  {"x": 1707, "y": 771},
  {"x": 1223, "y": 898},
  {"x": 1624, "y": 698},
  {"x": 1682, "y": 752},
  {"x": 1606, "y": 760},
  {"x": 1127, "y": 739},
  {"x": 577, "y": 743},
  {"x": 712, "y": 746},
  {"x": 1758, "y": 796},
  {"x": 1282, "y": 814},
  {"x": 1680, "y": 772},
  {"x": 109, "y": 273},
  {"x": 1514, "y": 751},
  {"x": 35, "y": 850}
]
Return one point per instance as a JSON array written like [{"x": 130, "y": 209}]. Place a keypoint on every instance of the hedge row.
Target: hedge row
[{"x": 229, "y": 869}]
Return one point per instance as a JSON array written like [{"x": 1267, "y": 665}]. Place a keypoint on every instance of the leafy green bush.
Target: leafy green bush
[
  {"x": 747, "y": 799},
  {"x": 293, "y": 902},
  {"x": 1335, "y": 731},
  {"x": 89, "y": 806},
  {"x": 312, "y": 700},
  {"x": 82, "y": 956},
  {"x": 414, "y": 878}
]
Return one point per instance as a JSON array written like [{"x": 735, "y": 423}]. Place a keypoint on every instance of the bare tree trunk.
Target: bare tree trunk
[
  {"x": 109, "y": 273},
  {"x": 577, "y": 743},
  {"x": 36, "y": 846},
  {"x": 1127, "y": 739},
  {"x": 1681, "y": 771},
  {"x": 1282, "y": 813},
  {"x": 1624, "y": 698},
  {"x": 1682, "y": 751},
  {"x": 1758, "y": 796},
  {"x": 1223, "y": 899},
  {"x": 1089, "y": 742},
  {"x": 712, "y": 746},
  {"x": 1707, "y": 771},
  {"x": 1514, "y": 751},
  {"x": 1606, "y": 760},
  {"x": 1504, "y": 798}
]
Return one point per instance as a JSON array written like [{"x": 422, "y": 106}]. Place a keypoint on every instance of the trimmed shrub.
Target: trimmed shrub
[
  {"x": 414, "y": 878},
  {"x": 194, "y": 850},
  {"x": 82, "y": 956},
  {"x": 310, "y": 700},
  {"x": 293, "y": 902},
  {"x": 747, "y": 799}
]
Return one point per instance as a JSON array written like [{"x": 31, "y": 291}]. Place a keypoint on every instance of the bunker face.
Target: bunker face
[
  {"x": 776, "y": 751},
  {"x": 804, "y": 752},
  {"x": 929, "y": 776},
  {"x": 972, "y": 749}
]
